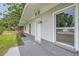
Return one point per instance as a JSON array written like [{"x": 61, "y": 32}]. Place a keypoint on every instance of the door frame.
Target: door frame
[
  {"x": 30, "y": 28},
  {"x": 38, "y": 30},
  {"x": 76, "y": 26}
]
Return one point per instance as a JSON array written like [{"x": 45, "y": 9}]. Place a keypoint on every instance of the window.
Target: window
[
  {"x": 65, "y": 23},
  {"x": 29, "y": 28},
  {"x": 65, "y": 18}
]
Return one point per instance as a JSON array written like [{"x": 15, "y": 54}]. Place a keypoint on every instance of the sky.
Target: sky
[
  {"x": 2, "y": 9},
  {"x": 70, "y": 11}
]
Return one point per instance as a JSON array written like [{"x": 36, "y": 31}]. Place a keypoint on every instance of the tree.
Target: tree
[
  {"x": 12, "y": 16},
  {"x": 60, "y": 20},
  {"x": 70, "y": 21},
  {"x": 64, "y": 20}
]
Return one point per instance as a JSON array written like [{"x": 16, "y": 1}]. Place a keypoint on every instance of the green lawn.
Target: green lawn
[{"x": 8, "y": 40}]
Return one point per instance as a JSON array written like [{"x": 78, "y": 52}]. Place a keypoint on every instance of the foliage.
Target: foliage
[
  {"x": 64, "y": 20},
  {"x": 10, "y": 21},
  {"x": 12, "y": 16},
  {"x": 7, "y": 40}
]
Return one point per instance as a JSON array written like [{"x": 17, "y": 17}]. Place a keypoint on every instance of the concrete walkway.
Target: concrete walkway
[
  {"x": 32, "y": 48},
  {"x": 13, "y": 52}
]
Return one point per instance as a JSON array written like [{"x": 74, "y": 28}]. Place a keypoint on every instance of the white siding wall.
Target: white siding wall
[
  {"x": 33, "y": 28},
  {"x": 46, "y": 26},
  {"x": 78, "y": 25},
  {"x": 27, "y": 29}
]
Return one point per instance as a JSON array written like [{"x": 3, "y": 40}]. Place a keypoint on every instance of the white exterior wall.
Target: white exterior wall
[
  {"x": 27, "y": 29},
  {"x": 48, "y": 23},
  {"x": 33, "y": 28},
  {"x": 78, "y": 26},
  {"x": 46, "y": 26}
]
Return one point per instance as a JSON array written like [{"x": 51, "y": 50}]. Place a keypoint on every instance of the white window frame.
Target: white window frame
[{"x": 76, "y": 42}]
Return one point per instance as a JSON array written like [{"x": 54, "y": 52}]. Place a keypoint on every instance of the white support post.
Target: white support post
[
  {"x": 53, "y": 28},
  {"x": 24, "y": 29},
  {"x": 38, "y": 31},
  {"x": 76, "y": 41}
]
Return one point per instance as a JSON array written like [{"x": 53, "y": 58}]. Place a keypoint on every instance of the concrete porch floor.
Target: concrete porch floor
[
  {"x": 32, "y": 48},
  {"x": 45, "y": 48}
]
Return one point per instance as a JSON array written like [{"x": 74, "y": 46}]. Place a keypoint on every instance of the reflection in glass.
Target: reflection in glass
[
  {"x": 66, "y": 18},
  {"x": 65, "y": 36},
  {"x": 65, "y": 26}
]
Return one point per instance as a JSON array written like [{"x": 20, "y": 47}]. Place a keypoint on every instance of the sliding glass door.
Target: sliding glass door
[{"x": 65, "y": 26}]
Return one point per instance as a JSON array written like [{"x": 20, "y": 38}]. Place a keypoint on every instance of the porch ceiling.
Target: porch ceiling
[{"x": 31, "y": 8}]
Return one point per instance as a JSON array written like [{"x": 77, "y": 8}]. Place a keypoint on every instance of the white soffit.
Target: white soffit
[{"x": 31, "y": 8}]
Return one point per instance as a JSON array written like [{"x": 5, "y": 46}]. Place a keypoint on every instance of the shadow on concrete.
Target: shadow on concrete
[{"x": 32, "y": 48}]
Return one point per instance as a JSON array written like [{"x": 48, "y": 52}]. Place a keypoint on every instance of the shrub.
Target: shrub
[{"x": 2, "y": 29}]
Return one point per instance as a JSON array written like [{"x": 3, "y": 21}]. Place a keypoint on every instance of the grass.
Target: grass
[{"x": 8, "y": 39}]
